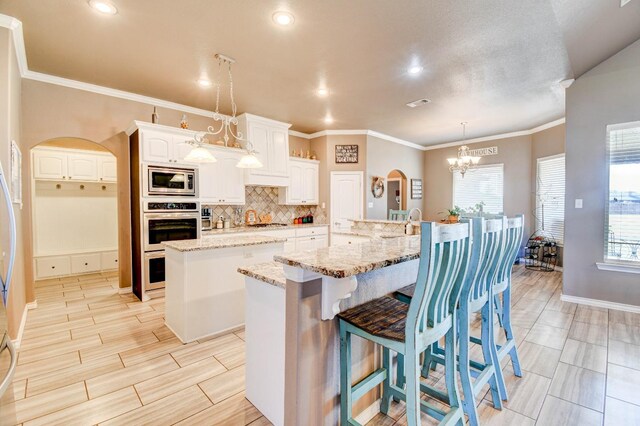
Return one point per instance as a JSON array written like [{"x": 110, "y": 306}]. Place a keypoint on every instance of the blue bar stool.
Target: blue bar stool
[
  {"x": 476, "y": 296},
  {"x": 410, "y": 329}
]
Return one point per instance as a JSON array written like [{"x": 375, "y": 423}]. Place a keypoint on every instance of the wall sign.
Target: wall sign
[
  {"x": 346, "y": 154},
  {"x": 416, "y": 189},
  {"x": 483, "y": 152}
]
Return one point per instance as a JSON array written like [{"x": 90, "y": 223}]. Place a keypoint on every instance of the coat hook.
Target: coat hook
[
  {"x": 81, "y": 186},
  {"x": 104, "y": 188},
  {"x": 58, "y": 186}
]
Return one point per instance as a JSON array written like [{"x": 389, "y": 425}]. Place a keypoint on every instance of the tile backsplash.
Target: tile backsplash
[
  {"x": 264, "y": 200},
  {"x": 382, "y": 226}
]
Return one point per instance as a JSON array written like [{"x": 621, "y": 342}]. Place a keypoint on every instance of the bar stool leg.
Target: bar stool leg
[
  {"x": 345, "y": 376},
  {"x": 469, "y": 402},
  {"x": 386, "y": 385},
  {"x": 506, "y": 309},
  {"x": 498, "y": 390},
  {"x": 450, "y": 370},
  {"x": 399, "y": 374},
  {"x": 412, "y": 370},
  {"x": 428, "y": 363}
]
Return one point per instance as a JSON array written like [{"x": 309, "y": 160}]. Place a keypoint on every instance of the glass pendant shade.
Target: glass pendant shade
[
  {"x": 200, "y": 155},
  {"x": 249, "y": 161}
]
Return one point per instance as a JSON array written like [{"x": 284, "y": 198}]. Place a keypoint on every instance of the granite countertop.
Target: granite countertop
[
  {"x": 383, "y": 221},
  {"x": 370, "y": 234},
  {"x": 346, "y": 261},
  {"x": 219, "y": 243},
  {"x": 270, "y": 273},
  {"x": 259, "y": 228}
]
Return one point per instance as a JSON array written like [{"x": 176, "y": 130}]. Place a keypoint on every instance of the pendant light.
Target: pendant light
[{"x": 464, "y": 161}]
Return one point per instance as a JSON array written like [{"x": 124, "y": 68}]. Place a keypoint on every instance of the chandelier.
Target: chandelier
[
  {"x": 464, "y": 161},
  {"x": 199, "y": 154}
]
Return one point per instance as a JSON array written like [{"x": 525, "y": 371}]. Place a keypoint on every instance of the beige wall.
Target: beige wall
[
  {"x": 383, "y": 157},
  {"x": 73, "y": 143},
  {"x": 519, "y": 156},
  {"x": 50, "y": 111},
  {"x": 324, "y": 147},
  {"x": 296, "y": 143},
  {"x": 10, "y": 99}
]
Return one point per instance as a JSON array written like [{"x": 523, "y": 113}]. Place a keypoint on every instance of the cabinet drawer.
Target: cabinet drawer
[
  {"x": 82, "y": 263},
  {"x": 109, "y": 260},
  {"x": 54, "y": 266},
  {"x": 311, "y": 231}
]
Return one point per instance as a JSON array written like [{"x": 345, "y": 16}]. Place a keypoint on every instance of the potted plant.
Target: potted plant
[{"x": 454, "y": 214}]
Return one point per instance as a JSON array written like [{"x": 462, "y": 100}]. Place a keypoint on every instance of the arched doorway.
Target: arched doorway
[
  {"x": 396, "y": 190},
  {"x": 74, "y": 209}
]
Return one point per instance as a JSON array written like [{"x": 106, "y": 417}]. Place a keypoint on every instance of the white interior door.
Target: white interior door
[{"x": 346, "y": 198}]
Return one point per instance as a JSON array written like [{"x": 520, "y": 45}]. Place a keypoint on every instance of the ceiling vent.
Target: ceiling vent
[{"x": 418, "y": 103}]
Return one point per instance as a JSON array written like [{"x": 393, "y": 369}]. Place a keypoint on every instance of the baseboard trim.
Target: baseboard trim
[
  {"x": 125, "y": 290},
  {"x": 369, "y": 413},
  {"x": 23, "y": 323},
  {"x": 600, "y": 303}
]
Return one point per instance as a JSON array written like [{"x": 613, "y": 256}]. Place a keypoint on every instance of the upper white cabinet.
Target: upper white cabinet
[
  {"x": 222, "y": 182},
  {"x": 303, "y": 183},
  {"x": 160, "y": 147},
  {"x": 270, "y": 139},
  {"x": 78, "y": 165}
]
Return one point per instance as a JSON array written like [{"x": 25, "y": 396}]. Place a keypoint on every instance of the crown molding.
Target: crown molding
[{"x": 348, "y": 132}]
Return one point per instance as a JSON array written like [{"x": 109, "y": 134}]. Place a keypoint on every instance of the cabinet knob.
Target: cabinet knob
[
  {"x": 86, "y": 264},
  {"x": 53, "y": 267},
  {"x": 116, "y": 260}
]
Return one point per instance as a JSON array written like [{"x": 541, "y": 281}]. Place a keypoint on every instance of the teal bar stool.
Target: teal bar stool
[
  {"x": 400, "y": 215},
  {"x": 476, "y": 296},
  {"x": 502, "y": 295},
  {"x": 410, "y": 329}
]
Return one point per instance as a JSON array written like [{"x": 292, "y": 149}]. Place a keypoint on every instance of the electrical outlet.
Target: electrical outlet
[
  {"x": 578, "y": 203},
  {"x": 370, "y": 205}
]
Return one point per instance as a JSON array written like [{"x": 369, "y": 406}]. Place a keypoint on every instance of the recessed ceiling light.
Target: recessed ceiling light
[
  {"x": 283, "y": 18},
  {"x": 323, "y": 92},
  {"x": 203, "y": 82},
  {"x": 416, "y": 69},
  {"x": 328, "y": 119},
  {"x": 103, "y": 6}
]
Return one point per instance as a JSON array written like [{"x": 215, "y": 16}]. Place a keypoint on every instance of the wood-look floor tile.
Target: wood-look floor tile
[
  {"x": 620, "y": 413},
  {"x": 48, "y": 402},
  {"x": 153, "y": 350},
  {"x": 378, "y": 420},
  {"x": 624, "y": 333},
  {"x": 579, "y": 385},
  {"x": 523, "y": 319},
  {"x": 629, "y": 318},
  {"x": 240, "y": 334},
  {"x": 526, "y": 394},
  {"x": 534, "y": 307},
  {"x": 43, "y": 352},
  {"x": 232, "y": 411},
  {"x": 111, "y": 335},
  {"x": 590, "y": 333},
  {"x": 165, "y": 411},
  {"x": 19, "y": 389},
  {"x": 121, "y": 314},
  {"x": 93, "y": 411},
  {"x": 47, "y": 365},
  {"x": 262, "y": 421},
  {"x": 53, "y": 328},
  {"x": 585, "y": 355},
  {"x": 168, "y": 383},
  {"x": 125, "y": 377},
  {"x": 538, "y": 359},
  {"x": 624, "y": 354},
  {"x": 489, "y": 416},
  {"x": 73, "y": 374},
  {"x": 555, "y": 319},
  {"x": 149, "y": 316},
  {"x": 36, "y": 321},
  {"x": 592, "y": 316},
  {"x": 232, "y": 358},
  {"x": 115, "y": 346},
  {"x": 224, "y": 385},
  {"x": 163, "y": 332},
  {"x": 127, "y": 324},
  {"x": 623, "y": 383},
  {"x": 547, "y": 335},
  {"x": 49, "y": 339},
  {"x": 557, "y": 412},
  {"x": 85, "y": 312},
  {"x": 555, "y": 304},
  {"x": 188, "y": 355}
]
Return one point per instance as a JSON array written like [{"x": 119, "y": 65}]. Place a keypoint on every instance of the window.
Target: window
[
  {"x": 480, "y": 185},
  {"x": 622, "y": 227},
  {"x": 550, "y": 197}
]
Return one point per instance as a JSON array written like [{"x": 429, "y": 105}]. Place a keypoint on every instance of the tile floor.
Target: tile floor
[{"x": 92, "y": 356}]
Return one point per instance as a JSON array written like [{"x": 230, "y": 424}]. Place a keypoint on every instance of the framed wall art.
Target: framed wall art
[
  {"x": 346, "y": 154},
  {"x": 416, "y": 189}
]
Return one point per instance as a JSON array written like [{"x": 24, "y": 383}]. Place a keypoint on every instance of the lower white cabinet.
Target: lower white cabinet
[
  {"x": 344, "y": 240},
  {"x": 310, "y": 243},
  {"x": 298, "y": 239},
  {"x": 72, "y": 264}
]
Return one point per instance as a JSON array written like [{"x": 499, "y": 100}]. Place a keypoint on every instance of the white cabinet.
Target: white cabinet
[
  {"x": 82, "y": 167},
  {"x": 74, "y": 165},
  {"x": 49, "y": 164},
  {"x": 109, "y": 260},
  {"x": 85, "y": 263},
  {"x": 270, "y": 139},
  {"x": 303, "y": 183},
  {"x": 310, "y": 243},
  {"x": 345, "y": 239},
  {"x": 222, "y": 182},
  {"x": 156, "y": 147},
  {"x": 52, "y": 266},
  {"x": 76, "y": 263},
  {"x": 107, "y": 169}
]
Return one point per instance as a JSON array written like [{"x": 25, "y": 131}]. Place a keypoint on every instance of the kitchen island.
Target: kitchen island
[
  {"x": 291, "y": 326},
  {"x": 204, "y": 294}
]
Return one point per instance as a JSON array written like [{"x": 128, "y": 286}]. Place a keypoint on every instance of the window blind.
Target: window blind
[
  {"x": 622, "y": 227},
  {"x": 550, "y": 197},
  {"x": 482, "y": 184}
]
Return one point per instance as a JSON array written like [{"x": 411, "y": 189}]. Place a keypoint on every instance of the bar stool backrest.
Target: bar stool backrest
[
  {"x": 444, "y": 259},
  {"x": 486, "y": 253},
  {"x": 515, "y": 230},
  {"x": 400, "y": 215}
]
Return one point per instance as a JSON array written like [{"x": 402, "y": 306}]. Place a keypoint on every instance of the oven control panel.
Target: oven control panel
[{"x": 155, "y": 206}]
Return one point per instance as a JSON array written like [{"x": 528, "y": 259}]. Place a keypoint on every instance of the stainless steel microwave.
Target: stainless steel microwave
[{"x": 168, "y": 181}]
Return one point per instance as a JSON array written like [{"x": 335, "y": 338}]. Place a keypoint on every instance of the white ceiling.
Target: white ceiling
[{"x": 492, "y": 63}]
